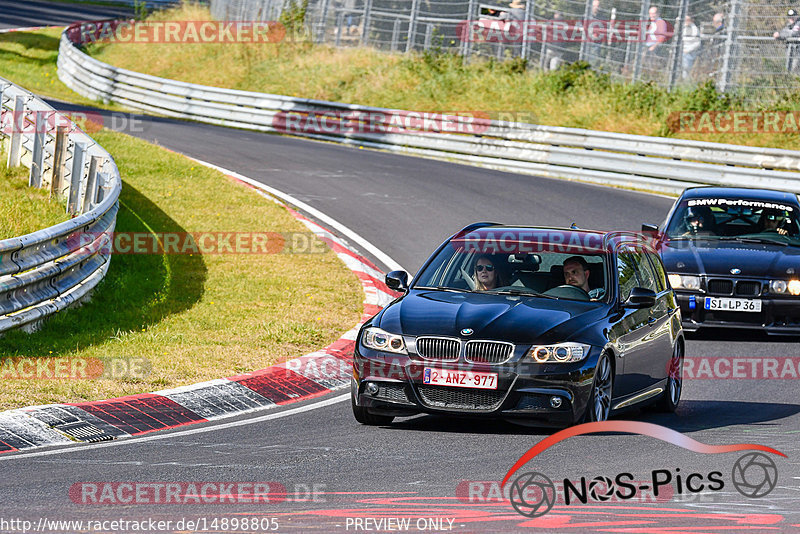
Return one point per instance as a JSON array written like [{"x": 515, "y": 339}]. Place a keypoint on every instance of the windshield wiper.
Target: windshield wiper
[
  {"x": 755, "y": 240},
  {"x": 444, "y": 288},
  {"x": 520, "y": 293}
]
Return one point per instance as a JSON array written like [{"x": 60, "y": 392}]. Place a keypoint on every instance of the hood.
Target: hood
[
  {"x": 520, "y": 320},
  {"x": 755, "y": 260}
]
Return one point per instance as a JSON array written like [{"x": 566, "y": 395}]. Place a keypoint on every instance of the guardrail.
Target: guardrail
[
  {"x": 46, "y": 271},
  {"x": 653, "y": 163}
]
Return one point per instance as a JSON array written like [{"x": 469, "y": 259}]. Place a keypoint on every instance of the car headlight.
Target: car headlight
[
  {"x": 561, "y": 353},
  {"x": 785, "y": 286},
  {"x": 377, "y": 339},
  {"x": 684, "y": 281}
]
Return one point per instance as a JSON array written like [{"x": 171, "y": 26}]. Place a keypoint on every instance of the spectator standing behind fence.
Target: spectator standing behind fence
[
  {"x": 718, "y": 21},
  {"x": 516, "y": 11},
  {"x": 790, "y": 33},
  {"x": 515, "y": 16},
  {"x": 691, "y": 45},
  {"x": 656, "y": 35}
]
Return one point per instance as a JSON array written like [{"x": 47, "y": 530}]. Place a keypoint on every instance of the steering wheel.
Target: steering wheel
[
  {"x": 468, "y": 279},
  {"x": 568, "y": 291}
]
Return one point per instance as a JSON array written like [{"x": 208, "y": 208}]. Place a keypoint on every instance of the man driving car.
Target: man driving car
[{"x": 576, "y": 273}]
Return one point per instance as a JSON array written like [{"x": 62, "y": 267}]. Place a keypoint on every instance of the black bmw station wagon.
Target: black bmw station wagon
[
  {"x": 551, "y": 326},
  {"x": 733, "y": 257}
]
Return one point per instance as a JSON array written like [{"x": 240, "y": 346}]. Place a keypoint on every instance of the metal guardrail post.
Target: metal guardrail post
[
  {"x": 587, "y": 8},
  {"x": 676, "y": 68},
  {"x": 59, "y": 158},
  {"x": 339, "y": 26},
  {"x": 78, "y": 157},
  {"x": 529, "y": 6},
  {"x": 724, "y": 81},
  {"x": 17, "y": 126},
  {"x": 640, "y": 44},
  {"x": 90, "y": 195},
  {"x": 37, "y": 162},
  {"x": 412, "y": 25},
  {"x": 102, "y": 179},
  {"x": 323, "y": 24},
  {"x": 365, "y": 21},
  {"x": 428, "y": 36},
  {"x": 467, "y": 35},
  {"x": 395, "y": 34}
]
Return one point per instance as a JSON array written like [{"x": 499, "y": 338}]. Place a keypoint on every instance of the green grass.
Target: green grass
[
  {"x": 573, "y": 97},
  {"x": 191, "y": 317},
  {"x": 29, "y": 59},
  {"x": 24, "y": 209}
]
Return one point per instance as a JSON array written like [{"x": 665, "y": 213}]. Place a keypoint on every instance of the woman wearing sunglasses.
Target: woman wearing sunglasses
[{"x": 486, "y": 275}]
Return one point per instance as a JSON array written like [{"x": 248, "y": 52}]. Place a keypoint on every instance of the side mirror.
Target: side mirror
[
  {"x": 641, "y": 298},
  {"x": 397, "y": 280}
]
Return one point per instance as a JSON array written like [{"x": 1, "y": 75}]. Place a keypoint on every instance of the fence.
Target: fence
[
  {"x": 146, "y": 3},
  {"x": 730, "y": 41},
  {"x": 652, "y": 163},
  {"x": 46, "y": 271}
]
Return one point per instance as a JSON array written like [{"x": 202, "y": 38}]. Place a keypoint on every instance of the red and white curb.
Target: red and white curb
[{"x": 298, "y": 379}]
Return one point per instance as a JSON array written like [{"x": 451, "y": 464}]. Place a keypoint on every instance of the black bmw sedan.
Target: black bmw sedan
[
  {"x": 553, "y": 326},
  {"x": 733, "y": 258}
]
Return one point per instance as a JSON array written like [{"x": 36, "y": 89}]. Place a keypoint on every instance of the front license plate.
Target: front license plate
[
  {"x": 742, "y": 305},
  {"x": 459, "y": 379}
]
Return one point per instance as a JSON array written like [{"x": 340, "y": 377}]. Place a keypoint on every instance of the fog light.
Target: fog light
[
  {"x": 372, "y": 388},
  {"x": 555, "y": 402}
]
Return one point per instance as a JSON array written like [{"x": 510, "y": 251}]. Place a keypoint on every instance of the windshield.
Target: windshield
[
  {"x": 735, "y": 219},
  {"x": 554, "y": 271}
]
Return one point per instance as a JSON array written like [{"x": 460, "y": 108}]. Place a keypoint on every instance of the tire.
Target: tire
[
  {"x": 672, "y": 395},
  {"x": 366, "y": 418},
  {"x": 599, "y": 405}
]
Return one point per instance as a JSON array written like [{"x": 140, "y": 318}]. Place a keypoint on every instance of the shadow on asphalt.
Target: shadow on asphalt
[
  {"x": 692, "y": 416},
  {"x": 739, "y": 335}
]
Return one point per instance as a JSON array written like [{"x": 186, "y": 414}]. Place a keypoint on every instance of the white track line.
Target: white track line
[
  {"x": 314, "y": 212},
  {"x": 375, "y": 251},
  {"x": 134, "y": 440}
]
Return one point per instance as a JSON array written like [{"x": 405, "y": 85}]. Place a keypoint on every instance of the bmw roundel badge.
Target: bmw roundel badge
[
  {"x": 736, "y": 270},
  {"x": 467, "y": 332}
]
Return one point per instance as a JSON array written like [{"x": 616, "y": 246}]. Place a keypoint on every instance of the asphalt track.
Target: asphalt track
[
  {"x": 416, "y": 467},
  {"x": 25, "y": 13}
]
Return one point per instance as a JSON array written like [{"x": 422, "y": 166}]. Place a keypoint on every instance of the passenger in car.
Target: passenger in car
[
  {"x": 487, "y": 275},
  {"x": 772, "y": 221},
  {"x": 576, "y": 273}
]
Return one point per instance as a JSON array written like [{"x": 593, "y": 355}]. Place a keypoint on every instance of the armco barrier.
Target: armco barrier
[
  {"x": 46, "y": 271},
  {"x": 653, "y": 163}
]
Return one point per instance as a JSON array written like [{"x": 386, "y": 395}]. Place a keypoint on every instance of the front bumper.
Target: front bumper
[
  {"x": 778, "y": 315},
  {"x": 524, "y": 389}
]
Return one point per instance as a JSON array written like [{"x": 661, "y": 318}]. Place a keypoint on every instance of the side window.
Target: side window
[
  {"x": 647, "y": 275},
  {"x": 626, "y": 273},
  {"x": 658, "y": 266}
]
